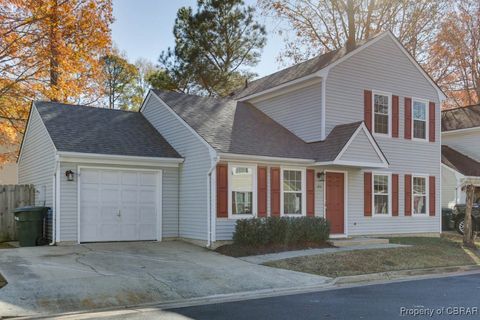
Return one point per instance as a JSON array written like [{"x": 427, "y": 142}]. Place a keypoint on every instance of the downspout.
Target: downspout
[
  {"x": 56, "y": 201},
  {"x": 209, "y": 202}
]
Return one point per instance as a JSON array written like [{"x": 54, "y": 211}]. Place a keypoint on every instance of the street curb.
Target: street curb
[
  {"x": 403, "y": 274},
  {"x": 332, "y": 284}
]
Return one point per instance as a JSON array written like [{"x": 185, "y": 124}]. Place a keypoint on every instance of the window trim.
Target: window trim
[
  {"x": 254, "y": 191},
  {"x": 389, "y": 95},
  {"x": 427, "y": 196},
  {"x": 427, "y": 117},
  {"x": 303, "y": 170},
  {"x": 390, "y": 194}
]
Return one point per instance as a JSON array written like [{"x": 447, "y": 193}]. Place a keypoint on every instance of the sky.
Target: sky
[{"x": 144, "y": 28}]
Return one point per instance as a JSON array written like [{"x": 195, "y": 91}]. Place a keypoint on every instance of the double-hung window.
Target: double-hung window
[
  {"x": 419, "y": 119},
  {"x": 293, "y": 186},
  {"x": 242, "y": 186},
  {"x": 381, "y": 194},
  {"x": 381, "y": 113},
  {"x": 419, "y": 192}
]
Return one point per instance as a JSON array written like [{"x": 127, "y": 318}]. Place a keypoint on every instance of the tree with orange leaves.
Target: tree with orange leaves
[
  {"x": 50, "y": 50},
  {"x": 455, "y": 62}
]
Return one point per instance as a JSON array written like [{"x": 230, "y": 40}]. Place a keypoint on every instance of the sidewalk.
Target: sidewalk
[{"x": 261, "y": 259}]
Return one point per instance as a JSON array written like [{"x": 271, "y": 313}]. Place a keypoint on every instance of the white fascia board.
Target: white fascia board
[
  {"x": 267, "y": 159},
  {"x": 453, "y": 132},
  {"x": 287, "y": 87},
  {"x": 79, "y": 157},
  {"x": 352, "y": 164},
  {"x": 457, "y": 174}
]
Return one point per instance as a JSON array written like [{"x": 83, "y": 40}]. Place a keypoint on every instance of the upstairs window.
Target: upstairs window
[
  {"x": 381, "y": 113},
  {"x": 241, "y": 188},
  {"x": 419, "y": 119}
]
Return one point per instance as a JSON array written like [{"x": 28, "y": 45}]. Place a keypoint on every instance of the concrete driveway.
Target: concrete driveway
[{"x": 46, "y": 280}]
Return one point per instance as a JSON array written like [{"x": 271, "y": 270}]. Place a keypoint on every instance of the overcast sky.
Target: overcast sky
[{"x": 143, "y": 28}]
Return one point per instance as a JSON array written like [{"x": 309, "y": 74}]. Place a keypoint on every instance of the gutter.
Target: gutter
[
  {"x": 56, "y": 199},
  {"x": 209, "y": 201}
]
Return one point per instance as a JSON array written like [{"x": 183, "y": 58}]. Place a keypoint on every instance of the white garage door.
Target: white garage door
[{"x": 118, "y": 205}]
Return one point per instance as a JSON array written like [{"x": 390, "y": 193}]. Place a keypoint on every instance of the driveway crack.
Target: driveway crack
[
  {"x": 77, "y": 260},
  {"x": 165, "y": 284}
]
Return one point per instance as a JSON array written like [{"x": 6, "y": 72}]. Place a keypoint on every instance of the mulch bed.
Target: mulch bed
[{"x": 235, "y": 250}]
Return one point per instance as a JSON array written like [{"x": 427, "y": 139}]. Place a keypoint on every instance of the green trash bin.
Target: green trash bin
[{"x": 30, "y": 225}]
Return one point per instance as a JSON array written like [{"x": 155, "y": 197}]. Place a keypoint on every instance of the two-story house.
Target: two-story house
[
  {"x": 352, "y": 136},
  {"x": 460, "y": 153}
]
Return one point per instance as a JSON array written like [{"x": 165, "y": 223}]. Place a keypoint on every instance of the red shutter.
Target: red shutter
[
  {"x": 431, "y": 116},
  {"x": 408, "y": 118},
  {"x": 408, "y": 194},
  {"x": 275, "y": 191},
  {"x": 367, "y": 104},
  {"x": 394, "y": 195},
  {"x": 431, "y": 191},
  {"x": 222, "y": 191},
  {"x": 367, "y": 194},
  {"x": 262, "y": 191},
  {"x": 395, "y": 118},
  {"x": 310, "y": 193}
]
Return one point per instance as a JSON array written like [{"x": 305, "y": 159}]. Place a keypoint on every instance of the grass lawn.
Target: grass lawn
[
  {"x": 235, "y": 250},
  {"x": 423, "y": 253}
]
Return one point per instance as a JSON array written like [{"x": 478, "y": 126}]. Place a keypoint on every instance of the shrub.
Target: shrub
[{"x": 284, "y": 231}]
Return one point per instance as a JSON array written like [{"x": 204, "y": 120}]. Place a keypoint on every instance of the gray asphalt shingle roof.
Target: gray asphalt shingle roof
[
  {"x": 231, "y": 126},
  {"x": 461, "y": 118},
  {"x": 460, "y": 162},
  {"x": 297, "y": 71},
  {"x": 84, "y": 129}
]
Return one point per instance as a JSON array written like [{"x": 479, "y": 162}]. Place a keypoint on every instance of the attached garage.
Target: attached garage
[{"x": 119, "y": 205}]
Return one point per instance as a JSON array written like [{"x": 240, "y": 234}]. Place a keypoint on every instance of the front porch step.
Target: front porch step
[{"x": 350, "y": 242}]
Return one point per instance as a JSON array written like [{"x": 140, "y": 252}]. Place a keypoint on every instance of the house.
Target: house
[
  {"x": 460, "y": 153},
  {"x": 352, "y": 135}
]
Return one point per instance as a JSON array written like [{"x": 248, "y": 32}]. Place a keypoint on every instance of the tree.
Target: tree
[
  {"x": 212, "y": 45},
  {"x": 49, "y": 49},
  {"x": 468, "y": 236},
  {"x": 455, "y": 53},
  {"x": 315, "y": 27},
  {"x": 119, "y": 80}
]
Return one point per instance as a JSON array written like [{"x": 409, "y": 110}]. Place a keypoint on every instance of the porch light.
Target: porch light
[
  {"x": 69, "y": 174},
  {"x": 321, "y": 176}
]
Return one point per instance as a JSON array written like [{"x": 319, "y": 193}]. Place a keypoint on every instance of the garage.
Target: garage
[{"x": 119, "y": 204}]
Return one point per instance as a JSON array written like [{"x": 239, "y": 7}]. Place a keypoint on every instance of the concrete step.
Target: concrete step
[{"x": 356, "y": 242}]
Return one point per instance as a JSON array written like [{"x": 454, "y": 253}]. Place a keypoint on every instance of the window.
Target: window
[
  {"x": 381, "y": 194},
  {"x": 381, "y": 113},
  {"x": 419, "y": 119},
  {"x": 293, "y": 189},
  {"x": 241, "y": 190},
  {"x": 419, "y": 195}
]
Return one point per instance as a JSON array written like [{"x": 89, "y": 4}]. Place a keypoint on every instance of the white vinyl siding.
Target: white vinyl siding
[
  {"x": 299, "y": 111},
  {"x": 193, "y": 172},
  {"x": 37, "y": 163},
  {"x": 466, "y": 142},
  {"x": 361, "y": 150},
  {"x": 69, "y": 205},
  {"x": 383, "y": 67},
  {"x": 449, "y": 188}
]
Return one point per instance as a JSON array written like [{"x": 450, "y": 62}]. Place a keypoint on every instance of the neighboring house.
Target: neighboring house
[
  {"x": 352, "y": 135},
  {"x": 460, "y": 153}
]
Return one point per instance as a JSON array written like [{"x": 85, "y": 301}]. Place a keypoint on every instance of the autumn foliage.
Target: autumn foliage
[{"x": 49, "y": 50}]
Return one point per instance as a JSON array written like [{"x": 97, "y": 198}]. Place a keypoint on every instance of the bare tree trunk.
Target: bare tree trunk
[
  {"x": 368, "y": 27},
  {"x": 468, "y": 230},
  {"x": 351, "y": 24}
]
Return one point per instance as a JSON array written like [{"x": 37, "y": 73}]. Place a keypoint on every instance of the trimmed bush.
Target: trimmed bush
[{"x": 284, "y": 230}]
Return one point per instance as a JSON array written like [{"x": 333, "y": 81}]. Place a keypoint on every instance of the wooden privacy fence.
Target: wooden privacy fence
[{"x": 11, "y": 197}]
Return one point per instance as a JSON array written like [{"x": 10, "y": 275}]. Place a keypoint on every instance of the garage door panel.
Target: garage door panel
[{"x": 118, "y": 205}]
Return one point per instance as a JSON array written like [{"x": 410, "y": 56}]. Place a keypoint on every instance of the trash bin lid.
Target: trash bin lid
[
  {"x": 30, "y": 209},
  {"x": 30, "y": 213}
]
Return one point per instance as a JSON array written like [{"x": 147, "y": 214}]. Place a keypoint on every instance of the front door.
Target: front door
[{"x": 335, "y": 201}]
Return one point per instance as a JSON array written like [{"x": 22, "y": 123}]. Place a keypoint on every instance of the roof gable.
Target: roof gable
[{"x": 83, "y": 129}]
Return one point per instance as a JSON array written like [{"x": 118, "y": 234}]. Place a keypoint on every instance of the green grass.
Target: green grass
[{"x": 423, "y": 253}]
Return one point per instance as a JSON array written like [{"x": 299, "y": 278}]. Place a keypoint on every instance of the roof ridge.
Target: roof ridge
[
  {"x": 195, "y": 95},
  {"x": 51, "y": 103},
  {"x": 461, "y": 107}
]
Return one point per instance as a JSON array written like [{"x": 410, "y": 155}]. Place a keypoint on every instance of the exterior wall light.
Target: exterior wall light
[{"x": 70, "y": 175}]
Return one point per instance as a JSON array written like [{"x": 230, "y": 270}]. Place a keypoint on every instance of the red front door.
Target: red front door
[{"x": 335, "y": 201}]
